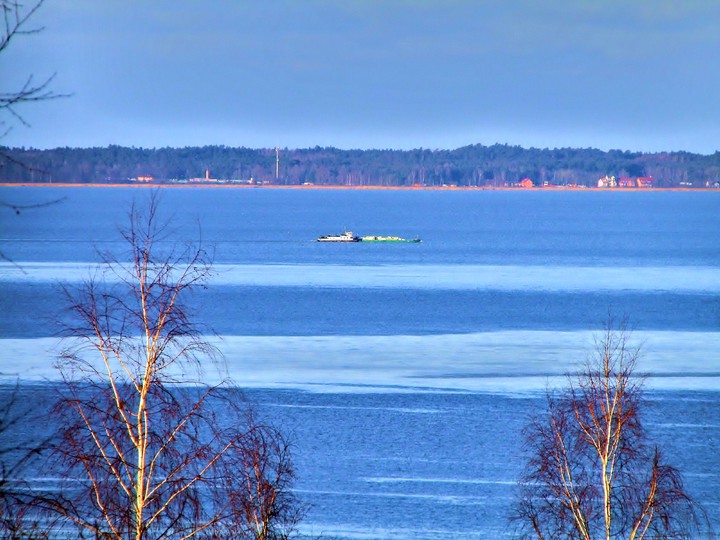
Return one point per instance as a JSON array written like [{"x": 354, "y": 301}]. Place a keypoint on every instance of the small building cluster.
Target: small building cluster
[
  {"x": 606, "y": 182},
  {"x": 625, "y": 182}
]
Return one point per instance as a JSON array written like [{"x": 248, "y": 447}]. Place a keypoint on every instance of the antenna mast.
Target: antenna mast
[{"x": 277, "y": 162}]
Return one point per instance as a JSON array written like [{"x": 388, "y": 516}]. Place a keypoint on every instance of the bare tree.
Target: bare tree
[
  {"x": 592, "y": 472},
  {"x": 159, "y": 459}
]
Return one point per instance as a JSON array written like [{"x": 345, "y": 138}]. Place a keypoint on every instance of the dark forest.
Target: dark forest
[{"x": 498, "y": 165}]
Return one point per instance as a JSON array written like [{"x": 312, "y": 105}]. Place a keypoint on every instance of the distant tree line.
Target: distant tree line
[{"x": 474, "y": 165}]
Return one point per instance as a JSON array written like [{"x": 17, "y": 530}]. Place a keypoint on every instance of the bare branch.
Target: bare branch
[
  {"x": 17, "y": 208},
  {"x": 591, "y": 472},
  {"x": 19, "y": 453},
  {"x": 16, "y": 19},
  {"x": 159, "y": 459}
]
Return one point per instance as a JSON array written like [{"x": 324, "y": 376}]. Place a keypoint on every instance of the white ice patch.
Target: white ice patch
[
  {"x": 507, "y": 362},
  {"x": 679, "y": 279}
]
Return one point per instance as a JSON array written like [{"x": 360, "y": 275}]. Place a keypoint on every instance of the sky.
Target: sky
[{"x": 639, "y": 75}]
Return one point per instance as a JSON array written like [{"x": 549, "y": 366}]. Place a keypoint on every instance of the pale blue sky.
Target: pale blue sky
[{"x": 628, "y": 74}]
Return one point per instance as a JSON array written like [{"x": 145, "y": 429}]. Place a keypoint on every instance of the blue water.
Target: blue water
[
  {"x": 405, "y": 372},
  {"x": 457, "y": 227}
]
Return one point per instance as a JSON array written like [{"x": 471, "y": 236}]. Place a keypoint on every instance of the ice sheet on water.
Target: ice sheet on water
[
  {"x": 692, "y": 279},
  {"x": 508, "y": 362},
  {"x": 28, "y": 359}
]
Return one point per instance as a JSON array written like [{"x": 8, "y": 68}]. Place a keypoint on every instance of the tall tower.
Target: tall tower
[{"x": 277, "y": 162}]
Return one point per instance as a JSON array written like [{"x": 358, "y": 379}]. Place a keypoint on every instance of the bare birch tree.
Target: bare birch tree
[
  {"x": 592, "y": 472},
  {"x": 147, "y": 457}
]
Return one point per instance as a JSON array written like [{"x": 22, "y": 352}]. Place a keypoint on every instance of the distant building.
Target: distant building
[
  {"x": 143, "y": 179},
  {"x": 607, "y": 182},
  {"x": 207, "y": 178},
  {"x": 627, "y": 182},
  {"x": 526, "y": 183},
  {"x": 645, "y": 182}
]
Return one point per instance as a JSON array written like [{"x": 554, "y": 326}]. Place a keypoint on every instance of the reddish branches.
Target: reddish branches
[
  {"x": 592, "y": 473},
  {"x": 150, "y": 458}
]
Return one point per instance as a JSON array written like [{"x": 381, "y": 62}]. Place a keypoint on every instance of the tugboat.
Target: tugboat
[
  {"x": 347, "y": 236},
  {"x": 388, "y": 239}
]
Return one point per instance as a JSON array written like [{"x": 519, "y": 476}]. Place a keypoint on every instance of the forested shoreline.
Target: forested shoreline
[{"x": 498, "y": 165}]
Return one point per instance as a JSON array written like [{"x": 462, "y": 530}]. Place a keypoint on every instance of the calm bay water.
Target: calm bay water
[{"x": 405, "y": 372}]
